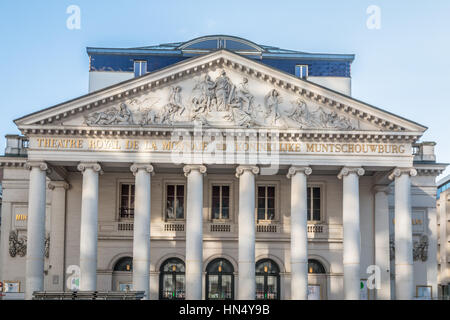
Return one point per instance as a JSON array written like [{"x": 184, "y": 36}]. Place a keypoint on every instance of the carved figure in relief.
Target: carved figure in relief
[
  {"x": 271, "y": 102},
  {"x": 111, "y": 116},
  {"x": 245, "y": 95},
  {"x": 124, "y": 116},
  {"x": 223, "y": 90},
  {"x": 203, "y": 97},
  {"x": 300, "y": 113},
  {"x": 332, "y": 120}
]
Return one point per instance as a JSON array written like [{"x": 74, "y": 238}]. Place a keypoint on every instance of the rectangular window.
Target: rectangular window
[
  {"x": 220, "y": 202},
  {"x": 140, "y": 68},
  {"x": 301, "y": 71},
  {"x": 175, "y": 201},
  {"x": 126, "y": 201},
  {"x": 266, "y": 203},
  {"x": 313, "y": 200}
]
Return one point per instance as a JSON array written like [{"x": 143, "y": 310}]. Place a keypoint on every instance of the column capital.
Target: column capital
[
  {"x": 348, "y": 170},
  {"x": 58, "y": 184},
  {"x": 187, "y": 169},
  {"x": 241, "y": 169},
  {"x": 397, "y": 172},
  {"x": 295, "y": 169},
  {"x": 37, "y": 164},
  {"x": 381, "y": 188},
  {"x": 145, "y": 166},
  {"x": 82, "y": 166}
]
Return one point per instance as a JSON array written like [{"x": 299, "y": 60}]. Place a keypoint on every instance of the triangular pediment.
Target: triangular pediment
[{"x": 221, "y": 89}]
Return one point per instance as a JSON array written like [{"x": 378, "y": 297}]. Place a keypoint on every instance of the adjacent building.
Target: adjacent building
[{"x": 443, "y": 200}]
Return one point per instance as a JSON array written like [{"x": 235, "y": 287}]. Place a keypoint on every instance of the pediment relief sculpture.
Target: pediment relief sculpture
[{"x": 220, "y": 102}]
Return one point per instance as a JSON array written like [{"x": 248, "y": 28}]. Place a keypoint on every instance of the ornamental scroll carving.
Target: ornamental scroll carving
[
  {"x": 420, "y": 249},
  {"x": 18, "y": 245},
  {"x": 220, "y": 102}
]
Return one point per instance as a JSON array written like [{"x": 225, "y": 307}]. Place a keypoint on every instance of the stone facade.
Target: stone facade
[{"x": 170, "y": 127}]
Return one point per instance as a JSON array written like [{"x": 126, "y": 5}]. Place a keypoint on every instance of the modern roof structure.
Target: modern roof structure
[{"x": 210, "y": 43}]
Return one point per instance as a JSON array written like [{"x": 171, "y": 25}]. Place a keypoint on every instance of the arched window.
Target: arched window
[
  {"x": 219, "y": 280},
  {"x": 172, "y": 280},
  {"x": 314, "y": 266},
  {"x": 267, "y": 280},
  {"x": 124, "y": 264}
]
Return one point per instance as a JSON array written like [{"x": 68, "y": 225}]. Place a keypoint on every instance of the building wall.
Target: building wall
[
  {"x": 113, "y": 244},
  {"x": 443, "y": 212},
  {"x": 102, "y": 79}
]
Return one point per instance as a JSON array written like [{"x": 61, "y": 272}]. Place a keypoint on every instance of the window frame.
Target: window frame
[
  {"x": 174, "y": 275},
  {"x": 321, "y": 186},
  {"x": 164, "y": 199},
  {"x": 119, "y": 183},
  {"x": 266, "y": 275},
  {"x": 141, "y": 63},
  {"x": 230, "y": 203},
  {"x": 219, "y": 274},
  {"x": 301, "y": 67},
  {"x": 266, "y": 184}
]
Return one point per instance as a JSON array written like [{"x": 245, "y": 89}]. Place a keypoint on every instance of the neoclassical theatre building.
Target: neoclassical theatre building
[{"x": 218, "y": 168}]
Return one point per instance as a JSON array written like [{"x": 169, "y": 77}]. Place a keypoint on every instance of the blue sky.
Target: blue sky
[{"x": 403, "y": 67}]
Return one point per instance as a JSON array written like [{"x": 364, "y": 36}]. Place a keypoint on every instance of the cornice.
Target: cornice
[
  {"x": 269, "y": 132},
  {"x": 7, "y": 162},
  {"x": 219, "y": 59}
]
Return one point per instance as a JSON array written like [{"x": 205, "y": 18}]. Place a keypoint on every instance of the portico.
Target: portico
[{"x": 246, "y": 224}]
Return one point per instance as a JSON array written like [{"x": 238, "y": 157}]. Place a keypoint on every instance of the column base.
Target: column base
[
  {"x": 404, "y": 282},
  {"x": 352, "y": 281}
]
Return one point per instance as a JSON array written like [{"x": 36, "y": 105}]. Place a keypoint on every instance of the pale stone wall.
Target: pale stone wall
[
  {"x": 339, "y": 84},
  {"x": 102, "y": 79}
]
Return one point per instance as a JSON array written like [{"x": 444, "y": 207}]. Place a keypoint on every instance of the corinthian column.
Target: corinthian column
[
  {"x": 352, "y": 236},
  {"x": 404, "y": 275},
  {"x": 141, "y": 233},
  {"x": 89, "y": 226},
  {"x": 194, "y": 231},
  {"x": 35, "y": 228},
  {"x": 247, "y": 281},
  {"x": 299, "y": 232}
]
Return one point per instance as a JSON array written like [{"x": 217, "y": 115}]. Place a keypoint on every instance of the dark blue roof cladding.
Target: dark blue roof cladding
[
  {"x": 316, "y": 68},
  {"x": 125, "y": 63}
]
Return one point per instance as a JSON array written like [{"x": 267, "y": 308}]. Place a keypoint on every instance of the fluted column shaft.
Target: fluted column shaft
[
  {"x": 299, "y": 232},
  {"x": 352, "y": 236},
  {"x": 36, "y": 228},
  {"x": 247, "y": 232},
  {"x": 141, "y": 233},
  {"x": 404, "y": 275},
  {"x": 194, "y": 231},
  {"x": 89, "y": 226}
]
